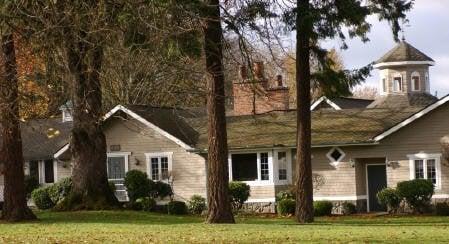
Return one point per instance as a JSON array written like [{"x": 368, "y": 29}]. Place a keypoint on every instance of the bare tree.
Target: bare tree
[{"x": 365, "y": 92}]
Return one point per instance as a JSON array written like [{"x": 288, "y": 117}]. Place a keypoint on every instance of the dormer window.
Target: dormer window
[
  {"x": 416, "y": 81},
  {"x": 67, "y": 115},
  {"x": 397, "y": 83},
  {"x": 66, "y": 111}
]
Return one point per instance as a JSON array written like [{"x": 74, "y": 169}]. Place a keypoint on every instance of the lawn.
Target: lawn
[{"x": 125, "y": 226}]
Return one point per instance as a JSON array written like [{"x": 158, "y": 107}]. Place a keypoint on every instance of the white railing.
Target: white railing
[{"x": 1, "y": 194}]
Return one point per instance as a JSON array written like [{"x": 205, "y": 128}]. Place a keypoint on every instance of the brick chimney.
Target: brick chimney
[{"x": 259, "y": 95}]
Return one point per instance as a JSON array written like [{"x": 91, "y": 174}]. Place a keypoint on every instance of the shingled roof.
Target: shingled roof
[
  {"x": 340, "y": 103},
  {"x": 329, "y": 127},
  {"x": 41, "y": 138},
  {"x": 403, "y": 51},
  {"x": 403, "y": 100}
]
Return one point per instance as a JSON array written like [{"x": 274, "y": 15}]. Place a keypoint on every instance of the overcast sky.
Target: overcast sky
[{"x": 428, "y": 31}]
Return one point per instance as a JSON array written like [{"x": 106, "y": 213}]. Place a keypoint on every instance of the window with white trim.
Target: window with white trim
[
  {"x": 159, "y": 165},
  {"x": 255, "y": 166},
  {"x": 426, "y": 166},
  {"x": 264, "y": 167},
  {"x": 416, "y": 81},
  {"x": 42, "y": 170},
  {"x": 397, "y": 83},
  {"x": 282, "y": 165},
  {"x": 335, "y": 155}
]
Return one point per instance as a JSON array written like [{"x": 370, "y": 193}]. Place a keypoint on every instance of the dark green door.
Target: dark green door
[{"x": 377, "y": 180}]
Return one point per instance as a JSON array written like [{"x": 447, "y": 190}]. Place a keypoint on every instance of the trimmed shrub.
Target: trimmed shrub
[
  {"x": 239, "y": 192},
  {"x": 177, "y": 207},
  {"x": 162, "y": 189},
  {"x": 42, "y": 199},
  {"x": 284, "y": 195},
  {"x": 322, "y": 208},
  {"x": 31, "y": 183},
  {"x": 390, "y": 198},
  {"x": 136, "y": 206},
  {"x": 137, "y": 184},
  {"x": 286, "y": 207},
  {"x": 146, "y": 203},
  {"x": 442, "y": 209},
  {"x": 348, "y": 208},
  {"x": 59, "y": 190},
  {"x": 417, "y": 193},
  {"x": 196, "y": 204}
]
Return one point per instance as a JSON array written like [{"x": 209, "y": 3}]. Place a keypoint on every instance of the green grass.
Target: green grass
[{"x": 138, "y": 227}]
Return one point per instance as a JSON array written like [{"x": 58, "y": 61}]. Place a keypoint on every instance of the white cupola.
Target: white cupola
[{"x": 404, "y": 70}]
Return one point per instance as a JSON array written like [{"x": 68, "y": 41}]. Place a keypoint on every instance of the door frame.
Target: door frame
[{"x": 366, "y": 182}]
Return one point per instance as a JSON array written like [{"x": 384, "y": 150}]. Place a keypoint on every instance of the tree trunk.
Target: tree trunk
[
  {"x": 304, "y": 192},
  {"x": 15, "y": 207},
  {"x": 217, "y": 158},
  {"x": 90, "y": 189}
]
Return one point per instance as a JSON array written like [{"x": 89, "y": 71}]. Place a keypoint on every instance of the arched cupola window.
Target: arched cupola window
[
  {"x": 397, "y": 83},
  {"x": 416, "y": 81}
]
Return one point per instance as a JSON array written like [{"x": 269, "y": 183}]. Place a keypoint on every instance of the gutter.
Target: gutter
[{"x": 374, "y": 143}]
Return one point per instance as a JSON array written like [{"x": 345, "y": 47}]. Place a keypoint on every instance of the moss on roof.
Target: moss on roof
[{"x": 328, "y": 127}]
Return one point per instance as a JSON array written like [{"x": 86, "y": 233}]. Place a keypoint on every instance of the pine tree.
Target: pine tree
[{"x": 313, "y": 21}]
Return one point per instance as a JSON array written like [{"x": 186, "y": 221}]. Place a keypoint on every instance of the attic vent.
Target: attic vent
[{"x": 335, "y": 155}]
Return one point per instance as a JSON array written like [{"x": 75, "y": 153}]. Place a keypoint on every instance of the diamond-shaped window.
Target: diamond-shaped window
[{"x": 335, "y": 155}]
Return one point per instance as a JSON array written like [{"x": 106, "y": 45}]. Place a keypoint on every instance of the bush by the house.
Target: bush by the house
[
  {"x": 348, "y": 208},
  {"x": 390, "y": 198},
  {"x": 59, "y": 190},
  {"x": 286, "y": 207},
  {"x": 442, "y": 209},
  {"x": 146, "y": 203},
  {"x": 42, "y": 199},
  {"x": 133, "y": 205},
  {"x": 162, "y": 189},
  {"x": 177, "y": 207},
  {"x": 137, "y": 184},
  {"x": 322, "y": 208},
  {"x": 284, "y": 195},
  {"x": 239, "y": 193},
  {"x": 417, "y": 193},
  {"x": 196, "y": 204},
  {"x": 31, "y": 183}
]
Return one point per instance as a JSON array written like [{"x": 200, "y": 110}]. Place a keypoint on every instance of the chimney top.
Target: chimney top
[
  {"x": 280, "y": 83},
  {"x": 243, "y": 72}
]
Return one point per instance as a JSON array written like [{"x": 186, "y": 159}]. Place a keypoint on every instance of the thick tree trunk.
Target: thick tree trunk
[
  {"x": 15, "y": 207},
  {"x": 217, "y": 159},
  {"x": 304, "y": 192},
  {"x": 90, "y": 189}
]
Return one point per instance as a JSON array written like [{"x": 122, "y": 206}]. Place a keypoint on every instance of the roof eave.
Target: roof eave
[{"x": 402, "y": 63}]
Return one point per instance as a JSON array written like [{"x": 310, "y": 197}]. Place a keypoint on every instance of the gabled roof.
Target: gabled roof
[
  {"x": 404, "y": 52},
  {"x": 188, "y": 127},
  {"x": 412, "y": 118},
  {"x": 169, "y": 122},
  {"x": 339, "y": 103}
]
